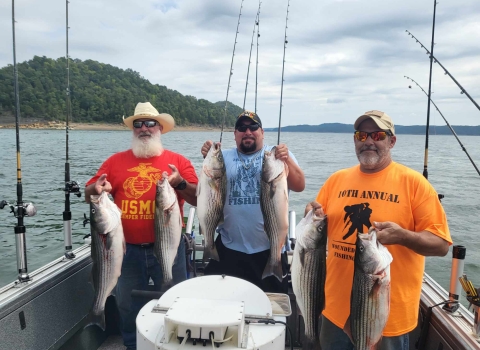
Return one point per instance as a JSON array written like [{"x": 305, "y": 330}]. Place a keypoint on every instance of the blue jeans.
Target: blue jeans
[
  {"x": 334, "y": 338},
  {"x": 139, "y": 265}
]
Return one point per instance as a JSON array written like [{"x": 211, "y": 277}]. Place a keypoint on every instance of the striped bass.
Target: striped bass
[
  {"x": 308, "y": 273},
  {"x": 168, "y": 228},
  {"x": 274, "y": 205},
  {"x": 108, "y": 248},
  {"x": 211, "y": 194},
  {"x": 370, "y": 298}
]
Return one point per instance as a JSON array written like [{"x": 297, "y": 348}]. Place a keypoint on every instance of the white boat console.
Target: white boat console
[{"x": 215, "y": 311}]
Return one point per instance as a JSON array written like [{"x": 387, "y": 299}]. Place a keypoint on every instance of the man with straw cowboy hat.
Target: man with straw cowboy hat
[{"x": 131, "y": 177}]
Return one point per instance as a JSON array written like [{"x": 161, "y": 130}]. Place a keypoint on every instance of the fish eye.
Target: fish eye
[
  {"x": 93, "y": 210},
  {"x": 361, "y": 248}
]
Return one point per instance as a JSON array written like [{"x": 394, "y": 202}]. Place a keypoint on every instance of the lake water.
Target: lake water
[{"x": 319, "y": 154}]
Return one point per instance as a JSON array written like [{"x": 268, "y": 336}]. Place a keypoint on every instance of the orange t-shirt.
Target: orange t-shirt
[
  {"x": 134, "y": 187},
  {"x": 353, "y": 201}
]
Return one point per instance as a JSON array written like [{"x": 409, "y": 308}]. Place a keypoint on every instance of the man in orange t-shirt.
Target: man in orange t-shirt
[
  {"x": 131, "y": 177},
  {"x": 408, "y": 217}
]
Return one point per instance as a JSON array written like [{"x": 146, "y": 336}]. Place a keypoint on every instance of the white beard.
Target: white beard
[{"x": 147, "y": 147}]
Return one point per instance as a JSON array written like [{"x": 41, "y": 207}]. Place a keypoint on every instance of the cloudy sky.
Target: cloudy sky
[{"x": 343, "y": 57}]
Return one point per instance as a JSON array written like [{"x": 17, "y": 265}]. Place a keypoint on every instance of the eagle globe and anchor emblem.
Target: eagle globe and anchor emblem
[{"x": 137, "y": 186}]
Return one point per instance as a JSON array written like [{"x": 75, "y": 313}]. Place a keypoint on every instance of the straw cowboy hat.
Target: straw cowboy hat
[{"x": 145, "y": 110}]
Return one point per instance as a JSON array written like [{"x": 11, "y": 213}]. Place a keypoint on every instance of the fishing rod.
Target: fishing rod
[
  {"x": 451, "y": 129},
  {"x": 70, "y": 186},
  {"x": 20, "y": 209},
  {"x": 462, "y": 90},
  {"x": 256, "y": 66},
  {"x": 427, "y": 128},
  {"x": 283, "y": 70},
  {"x": 250, "y": 57},
  {"x": 231, "y": 71}
]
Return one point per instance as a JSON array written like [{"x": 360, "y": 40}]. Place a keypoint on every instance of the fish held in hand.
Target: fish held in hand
[
  {"x": 168, "y": 228},
  {"x": 211, "y": 194},
  {"x": 274, "y": 205},
  {"x": 370, "y": 298},
  {"x": 108, "y": 248},
  {"x": 308, "y": 273}
]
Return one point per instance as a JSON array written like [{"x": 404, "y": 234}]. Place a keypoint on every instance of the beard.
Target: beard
[
  {"x": 248, "y": 148},
  {"x": 371, "y": 159},
  {"x": 146, "y": 147}
]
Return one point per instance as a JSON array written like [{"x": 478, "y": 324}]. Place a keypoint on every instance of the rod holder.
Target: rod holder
[
  {"x": 476, "y": 322},
  {"x": 458, "y": 261}
]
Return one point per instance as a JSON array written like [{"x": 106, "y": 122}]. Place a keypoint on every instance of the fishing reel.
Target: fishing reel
[
  {"x": 73, "y": 187},
  {"x": 28, "y": 209}
]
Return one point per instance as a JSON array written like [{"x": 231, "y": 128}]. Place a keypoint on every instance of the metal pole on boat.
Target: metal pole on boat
[
  {"x": 231, "y": 72},
  {"x": 448, "y": 124},
  {"x": 256, "y": 66},
  {"x": 21, "y": 209},
  {"x": 250, "y": 56},
  {"x": 285, "y": 42},
  {"x": 425, "y": 161},
  {"x": 189, "y": 231},
  {"x": 70, "y": 186},
  {"x": 458, "y": 262},
  {"x": 292, "y": 222},
  {"x": 462, "y": 89}
]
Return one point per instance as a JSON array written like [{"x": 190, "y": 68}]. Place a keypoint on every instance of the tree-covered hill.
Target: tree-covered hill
[{"x": 99, "y": 93}]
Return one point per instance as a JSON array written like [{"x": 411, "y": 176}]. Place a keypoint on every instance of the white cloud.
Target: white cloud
[{"x": 342, "y": 57}]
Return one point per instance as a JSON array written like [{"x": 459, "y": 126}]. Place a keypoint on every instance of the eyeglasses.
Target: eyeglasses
[
  {"x": 251, "y": 127},
  {"x": 362, "y": 136},
  {"x": 137, "y": 124}
]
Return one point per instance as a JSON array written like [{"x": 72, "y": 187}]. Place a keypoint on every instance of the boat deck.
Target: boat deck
[{"x": 115, "y": 342}]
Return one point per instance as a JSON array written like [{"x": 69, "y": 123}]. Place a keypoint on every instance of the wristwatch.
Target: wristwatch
[{"x": 182, "y": 185}]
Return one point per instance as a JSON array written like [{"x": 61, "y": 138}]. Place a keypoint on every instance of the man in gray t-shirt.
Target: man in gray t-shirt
[{"x": 242, "y": 243}]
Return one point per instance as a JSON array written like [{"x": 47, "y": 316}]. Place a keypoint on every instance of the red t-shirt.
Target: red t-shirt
[{"x": 134, "y": 187}]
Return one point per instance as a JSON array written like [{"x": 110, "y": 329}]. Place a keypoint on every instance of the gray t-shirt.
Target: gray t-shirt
[{"x": 242, "y": 229}]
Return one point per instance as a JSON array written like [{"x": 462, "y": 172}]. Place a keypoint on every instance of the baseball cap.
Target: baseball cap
[
  {"x": 380, "y": 118},
  {"x": 248, "y": 115}
]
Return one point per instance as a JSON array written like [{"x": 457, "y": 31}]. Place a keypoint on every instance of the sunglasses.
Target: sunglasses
[
  {"x": 362, "y": 136},
  {"x": 137, "y": 124},
  {"x": 251, "y": 127}
]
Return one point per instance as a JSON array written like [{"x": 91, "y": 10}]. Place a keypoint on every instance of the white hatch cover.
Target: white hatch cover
[{"x": 217, "y": 287}]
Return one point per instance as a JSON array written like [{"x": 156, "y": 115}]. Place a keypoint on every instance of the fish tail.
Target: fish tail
[
  {"x": 273, "y": 270},
  {"x": 96, "y": 318},
  {"x": 211, "y": 253},
  {"x": 167, "y": 279}
]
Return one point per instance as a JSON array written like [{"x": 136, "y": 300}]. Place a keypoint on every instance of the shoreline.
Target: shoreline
[{"x": 100, "y": 127}]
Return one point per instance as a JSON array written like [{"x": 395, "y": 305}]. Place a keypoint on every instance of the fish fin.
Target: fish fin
[
  {"x": 348, "y": 330},
  {"x": 271, "y": 189},
  {"x": 167, "y": 282},
  {"x": 109, "y": 241},
  {"x": 96, "y": 319},
  {"x": 197, "y": 191},
  {"x": 273, "y": 270}
]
